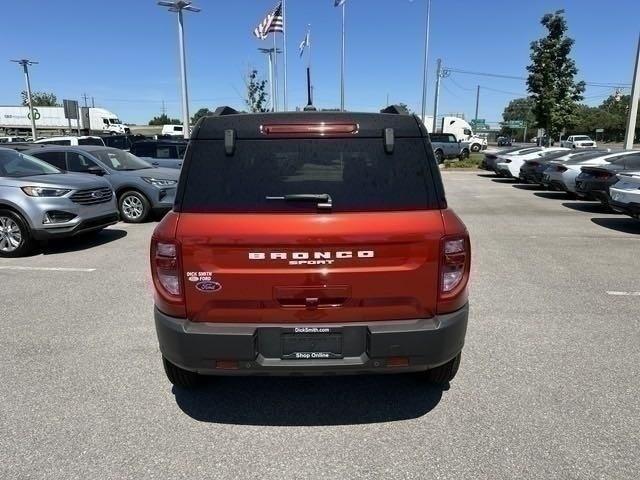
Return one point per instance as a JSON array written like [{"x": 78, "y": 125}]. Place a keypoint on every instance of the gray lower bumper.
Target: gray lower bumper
[{"x": 256, "y": 349}]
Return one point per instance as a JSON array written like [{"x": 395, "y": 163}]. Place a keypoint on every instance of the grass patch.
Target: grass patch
[{"x": 472, "y": 162}]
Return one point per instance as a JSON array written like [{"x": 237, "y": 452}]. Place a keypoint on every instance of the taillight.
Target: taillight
[
  {"x": 603, "y": 175},
  {"x": 534, "y": 164},
  {"x": 165, "y": 261},
  {"x": 455, "y": 260}
]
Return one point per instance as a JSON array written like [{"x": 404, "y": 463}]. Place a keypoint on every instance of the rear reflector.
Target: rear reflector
[
  {"x": 315, "y": 129},
  {"x": 398, "y": 362},
  {"x": 227, "y": 365}
]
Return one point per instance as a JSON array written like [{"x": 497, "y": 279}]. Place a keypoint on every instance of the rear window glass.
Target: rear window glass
[
  {"x": 356, "y": 173},
  {"x": 90, "y": 141}
]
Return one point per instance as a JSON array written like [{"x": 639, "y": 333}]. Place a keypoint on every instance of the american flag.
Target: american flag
[{"x": 272, "y": 23}]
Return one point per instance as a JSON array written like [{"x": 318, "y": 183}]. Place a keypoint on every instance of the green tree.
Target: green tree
[
  {"x": 203, "y": 112},
  {"x": 164, "y": 120},
  {"x": 257, "y": 97},
  {"x": 551, "y": 81},
  {"x": 519, "y": 109},
  {"x": 40, "y": 99}
]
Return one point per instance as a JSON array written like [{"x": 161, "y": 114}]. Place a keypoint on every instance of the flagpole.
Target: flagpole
[
  {"x": 275, "y": 71},
  {"x": 284, "y": 40},
  {"x": 426, "y": 62},
  {"x": 271, "y": 80},
  {"x": 309, "y": 87},
  {"x": 342, "y": 59}
]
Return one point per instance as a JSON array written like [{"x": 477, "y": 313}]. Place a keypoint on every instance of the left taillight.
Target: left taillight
[
  {"x": 455, "y": 262},
  {"x": 165, "y": 261}
]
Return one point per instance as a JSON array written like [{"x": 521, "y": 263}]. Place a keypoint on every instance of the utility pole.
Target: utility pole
[
  {"x": 437, "y": 96},
  {"x": 426, "y": 61},
  {"x": 178, "y": 6},
  {"x": 342, "y": 55},
  {"x": 163, "y": 110},
  {"x": 93, "y": 102},
  {"x": 633, "y": 107},
  {"x": 84, "y": 96},
  {"x": 477, "y": 102},
  {"x": 25, "y": 65}
]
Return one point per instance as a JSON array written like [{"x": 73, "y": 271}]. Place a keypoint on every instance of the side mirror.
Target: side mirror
[{"x": 96, "y": 170}]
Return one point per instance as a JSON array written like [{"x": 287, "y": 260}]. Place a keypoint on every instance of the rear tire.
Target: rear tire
[
  {"x": 15, "y": 237},
  {"x": 439, "y": 156},
  {"x": 444, "y": 373},
  {"x": 180, "y": 377}
]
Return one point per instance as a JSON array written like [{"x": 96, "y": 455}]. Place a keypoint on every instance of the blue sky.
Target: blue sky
[{"x": 124, "y": 53}]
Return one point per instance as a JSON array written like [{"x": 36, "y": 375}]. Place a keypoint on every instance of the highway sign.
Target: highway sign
[{"x": 514, "y": 124}]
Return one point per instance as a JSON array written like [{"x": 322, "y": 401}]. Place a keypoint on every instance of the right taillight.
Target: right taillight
[{"x": 454, "y": 259}]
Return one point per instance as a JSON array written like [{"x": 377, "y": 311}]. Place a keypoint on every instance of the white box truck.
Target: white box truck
[
  {"x": 17, "y": 121},
  {"x": 460, "y": 128}
]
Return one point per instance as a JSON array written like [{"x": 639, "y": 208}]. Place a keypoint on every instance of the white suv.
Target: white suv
[{"x": 578, "y": 141}]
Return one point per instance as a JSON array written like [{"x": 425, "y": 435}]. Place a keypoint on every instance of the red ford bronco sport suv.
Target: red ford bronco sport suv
[{"x": 310, "y": 243}]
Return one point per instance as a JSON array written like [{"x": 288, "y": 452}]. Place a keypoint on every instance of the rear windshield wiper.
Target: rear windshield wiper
[{"x": 322, "y": 200}]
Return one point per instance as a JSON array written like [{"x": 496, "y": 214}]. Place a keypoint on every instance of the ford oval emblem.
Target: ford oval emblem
[{"x": 208, "y": 286}]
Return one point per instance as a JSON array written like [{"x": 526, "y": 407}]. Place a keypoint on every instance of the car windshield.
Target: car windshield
[
  {"x": 120, "y": 160},
  {"x": 581, "y": 138},
  {"x": 115, "y": 120},
  {"x": 14, "y": 164}
]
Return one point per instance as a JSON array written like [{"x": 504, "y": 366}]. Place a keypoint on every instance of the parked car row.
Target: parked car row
[
  {"x": 613, "y": 178},
  {"x": 57, "y": 191}
]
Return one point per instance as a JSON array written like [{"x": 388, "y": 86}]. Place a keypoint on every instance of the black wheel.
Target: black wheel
[
  {"x": 464, "y": 154},
  {"x": 15, "y": 237},
  {"x": 439, "y": 156},
  {"x": 444, "y": 373},
  {"x": 134, "y": 207},
  {"x": 476, "y": 147},
  {"x": 180, "y": 377}
]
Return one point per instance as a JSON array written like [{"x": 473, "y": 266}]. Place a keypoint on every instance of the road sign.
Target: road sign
[
  {"x": 599, "y": 130},
  {"x": 514, "y": 124},
  {"x": 478, "y": 121},
  {"x": 70, "y": 109}
]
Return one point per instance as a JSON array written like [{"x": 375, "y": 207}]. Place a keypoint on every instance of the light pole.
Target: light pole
[
  {"x": 426, "y": 61},
  {"x": 178, "y": 6},
  {"x": 25, "y": 65},
  {"x": 270, "y": 52}
]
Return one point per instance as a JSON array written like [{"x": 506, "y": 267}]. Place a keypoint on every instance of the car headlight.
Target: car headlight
[
  {"x": 45, "y": 191},
  {"x": 158, "y": 182}
]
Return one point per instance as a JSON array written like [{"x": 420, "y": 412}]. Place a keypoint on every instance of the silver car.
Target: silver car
[
  {"x": 40, "y": 202},
  {"x": 140, "y": 187}
]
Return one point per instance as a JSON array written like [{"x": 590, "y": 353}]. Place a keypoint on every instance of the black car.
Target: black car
[
  {"x": 161, "y": 153},
  {"x": 504, "y": 141},
  {"x": 123, "y": 142},
  {"x": 594, "y": 181}
]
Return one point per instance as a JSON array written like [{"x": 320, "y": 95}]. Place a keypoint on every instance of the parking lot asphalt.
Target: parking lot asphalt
[{"x": 548, "y": 386}]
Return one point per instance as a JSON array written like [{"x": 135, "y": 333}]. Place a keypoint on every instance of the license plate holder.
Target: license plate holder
[{"x": 311, "y": 346}]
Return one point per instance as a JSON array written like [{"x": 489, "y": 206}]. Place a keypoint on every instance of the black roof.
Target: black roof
[{"x": 247, "y": 125}]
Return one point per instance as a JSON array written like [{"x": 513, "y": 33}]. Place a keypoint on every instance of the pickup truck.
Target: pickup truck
[
  {"x": 578, "y": 141},
  {"x": 446, "y": 146}
]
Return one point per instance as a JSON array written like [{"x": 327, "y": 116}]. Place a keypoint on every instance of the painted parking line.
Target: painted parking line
[
  {"x": 624, "y": 294},
  {"x": 46, "y": 269}
]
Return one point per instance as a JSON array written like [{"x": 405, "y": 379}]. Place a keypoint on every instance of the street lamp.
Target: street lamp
[
  {"x": 426, "y": 62},
  {"x": 178, "y": 6},
  {"x": 25, "y": 65}
]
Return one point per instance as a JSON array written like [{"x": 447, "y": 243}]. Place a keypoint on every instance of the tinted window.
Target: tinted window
[
  {"x": 356, "y": 173},
  {"x": 439, "y": 137},
  {"x": 633, "y": 162},
  {"x": 57, "y": 159},
  {"x": 117, "y": 141},
  {"x": 143, "y": 149},
  {"x": 14, "y": 164},
  {"x": 164, "y": 152},
  {"x": 181, "y": 150},
  {"x": 57, "y": 142},
  {"x": 90, "y": 141},
  {"x": 78, "y": 163}
]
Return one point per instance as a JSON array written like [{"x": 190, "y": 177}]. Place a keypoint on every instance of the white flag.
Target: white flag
[{"x": 304, "y": 44}]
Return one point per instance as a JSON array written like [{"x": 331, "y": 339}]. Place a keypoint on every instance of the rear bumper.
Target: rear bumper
[
  {"x": 366, "y": 347},
  {"x": 632, "y": 209}
]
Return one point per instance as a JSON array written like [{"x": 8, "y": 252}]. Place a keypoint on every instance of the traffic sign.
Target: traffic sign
[
  {"x": 514, "y": 124},
  {"x": 599, "y": 130}
]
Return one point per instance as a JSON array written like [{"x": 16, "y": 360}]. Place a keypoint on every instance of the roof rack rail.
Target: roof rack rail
[
  {"x": 220, "y": 111},
  {"x": 396, "y": 110}
]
